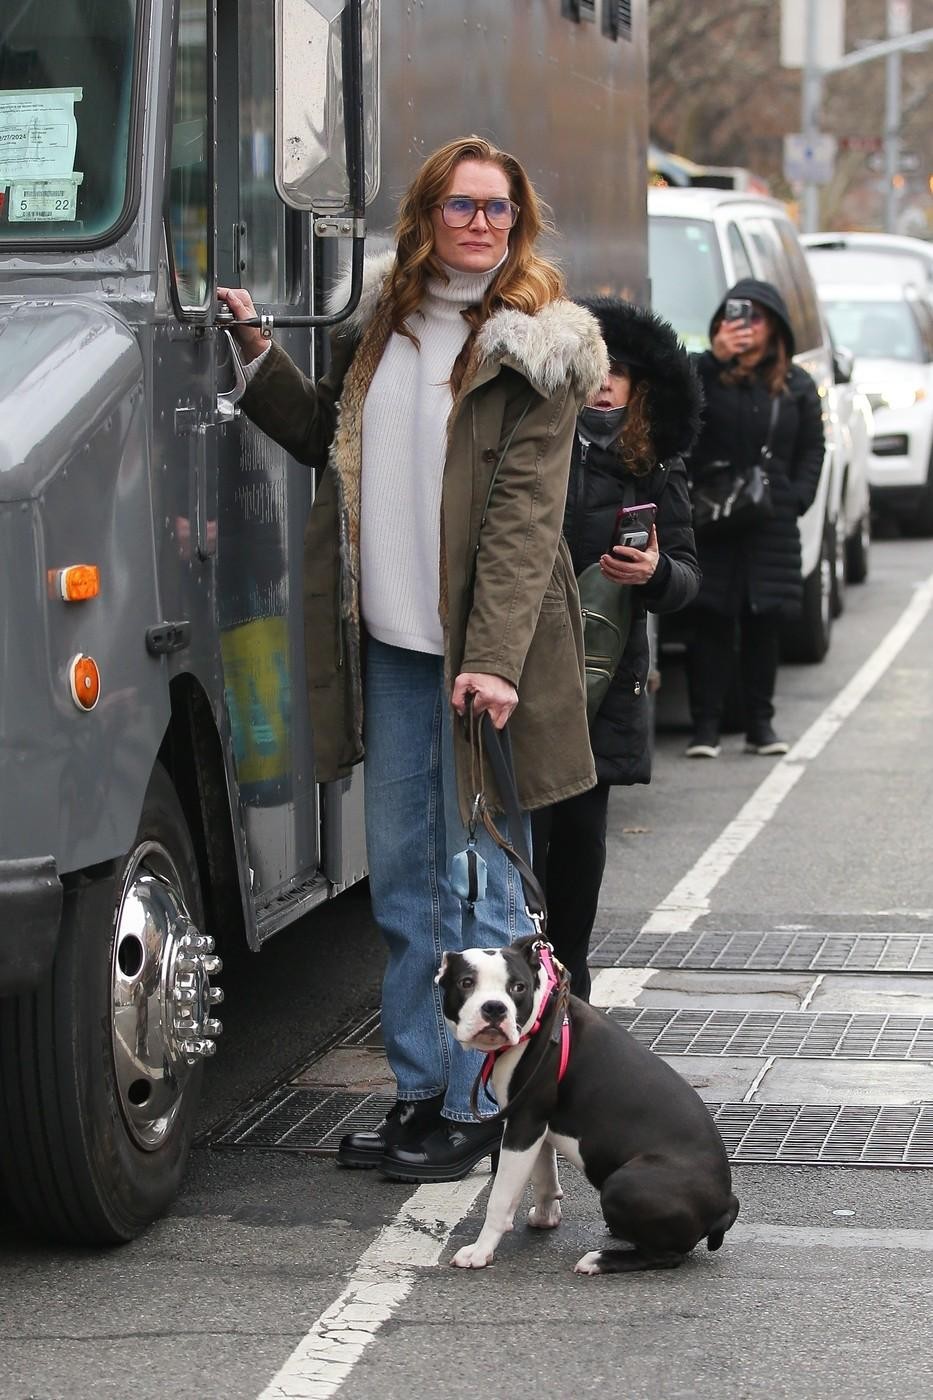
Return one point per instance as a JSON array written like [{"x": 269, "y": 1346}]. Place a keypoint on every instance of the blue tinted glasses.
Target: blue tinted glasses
[{"x": 460, "y": 210}]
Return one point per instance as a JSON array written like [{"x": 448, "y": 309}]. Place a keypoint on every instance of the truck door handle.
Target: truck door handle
[{"x": 227, "y": 402}]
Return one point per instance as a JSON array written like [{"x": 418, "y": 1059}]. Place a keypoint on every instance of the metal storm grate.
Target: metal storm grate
[
  {"x": 309, "y": 1120},
  {"x": 772, "y": 952},
  {"x": 785, "y": 1034},
  {"x": 859, "y": 1135},
  {"x": 296, "y": 1119}
]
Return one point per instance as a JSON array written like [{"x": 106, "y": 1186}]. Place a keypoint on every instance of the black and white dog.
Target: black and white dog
[{"x": 638, "y": 1130}]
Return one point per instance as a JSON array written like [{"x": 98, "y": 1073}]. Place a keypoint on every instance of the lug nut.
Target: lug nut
[
  {"x": 211, "y": 965},
  {"x": 216, "y": 996}
]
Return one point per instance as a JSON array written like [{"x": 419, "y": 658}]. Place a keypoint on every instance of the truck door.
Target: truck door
[
  {"x": 184, "y": 352},
  {"x": 264, "y": 496}
]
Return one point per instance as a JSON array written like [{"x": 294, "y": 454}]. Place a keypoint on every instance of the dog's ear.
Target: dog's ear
[
  {"x": 442, "y": 969},
  {"x": 529, "y": 949}
]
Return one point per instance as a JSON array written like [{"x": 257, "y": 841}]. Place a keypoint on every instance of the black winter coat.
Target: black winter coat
[
  {"x": 599, "y": 484},
  {"x": 759, "y": 569}
]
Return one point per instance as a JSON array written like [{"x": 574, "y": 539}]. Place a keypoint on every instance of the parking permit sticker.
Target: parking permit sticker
[
  {"x": 44, "y": 201},
  {"x": 38, "y": 133}
]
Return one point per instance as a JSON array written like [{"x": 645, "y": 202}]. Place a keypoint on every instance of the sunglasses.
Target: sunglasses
[{"x": 460, "y": 210}]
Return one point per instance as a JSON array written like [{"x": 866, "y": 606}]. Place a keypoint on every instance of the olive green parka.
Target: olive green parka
[{"x": 523, "y": 622}]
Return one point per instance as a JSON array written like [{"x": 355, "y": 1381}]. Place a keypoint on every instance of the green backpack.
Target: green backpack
[{"x": 607, "y": 617}]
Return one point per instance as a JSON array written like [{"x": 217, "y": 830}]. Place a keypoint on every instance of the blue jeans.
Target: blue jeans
[{"x": 413, "y": 828}]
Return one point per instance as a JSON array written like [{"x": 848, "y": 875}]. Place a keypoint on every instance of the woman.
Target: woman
[
  {"x": 462, "y": 342},
  {"x": 627, "y": 451},
  {"x": 749, "y": 579}
]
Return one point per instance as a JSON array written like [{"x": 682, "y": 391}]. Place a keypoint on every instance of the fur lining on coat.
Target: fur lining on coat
[{"x": 561, "y": 338}]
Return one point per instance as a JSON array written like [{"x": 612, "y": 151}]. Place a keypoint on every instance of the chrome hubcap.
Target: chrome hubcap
[{"x": 161, "y": 995}]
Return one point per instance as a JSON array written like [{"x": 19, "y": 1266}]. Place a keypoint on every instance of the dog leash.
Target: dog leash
[{"x": 498, "y": 747}]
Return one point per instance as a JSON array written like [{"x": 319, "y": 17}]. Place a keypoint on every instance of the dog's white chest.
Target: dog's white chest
[{"x": 568, "y": 1147}]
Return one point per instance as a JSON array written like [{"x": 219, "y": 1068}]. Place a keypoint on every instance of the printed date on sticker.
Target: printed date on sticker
[{"x": 45, "y": 201}]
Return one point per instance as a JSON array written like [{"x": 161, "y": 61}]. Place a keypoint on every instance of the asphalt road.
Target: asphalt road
[{"x": 821, "y": 1290}]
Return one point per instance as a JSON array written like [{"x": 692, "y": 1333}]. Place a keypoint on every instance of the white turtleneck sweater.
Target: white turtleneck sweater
[{"x": 404, "y": 450}]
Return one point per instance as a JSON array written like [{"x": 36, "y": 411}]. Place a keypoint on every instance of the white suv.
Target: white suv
[
  {"x": 848, "y": 257},
  {"x": 889, "y": 329},
  {"x": 701, "y": 242}
]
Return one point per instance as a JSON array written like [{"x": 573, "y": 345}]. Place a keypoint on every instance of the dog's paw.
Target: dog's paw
[
  {"x": 545, "y": 1216},
  {"x": 473, "y": 1256},
  {"x": 589, "y": 1264}
]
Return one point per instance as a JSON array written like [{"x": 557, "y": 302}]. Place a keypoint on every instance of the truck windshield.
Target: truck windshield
[
  {"x": 66, "y": 83},
  {"x": 687, "y": 277}
]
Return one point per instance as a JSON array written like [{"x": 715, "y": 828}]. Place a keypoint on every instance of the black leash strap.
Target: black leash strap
[{"x": 498, "y": 746}]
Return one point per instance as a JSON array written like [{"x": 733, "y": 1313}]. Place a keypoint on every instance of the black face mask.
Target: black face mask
[{"x": 602, "y": 425}]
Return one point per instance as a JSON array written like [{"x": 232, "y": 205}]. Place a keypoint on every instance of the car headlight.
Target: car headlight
[{"x": 898, "y": 397}]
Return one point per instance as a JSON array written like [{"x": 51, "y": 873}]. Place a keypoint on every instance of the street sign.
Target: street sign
[
  {"x": 908, "y": 162},
  {"x": 830, "y": 32},
  {"x": 809, "y": 162},
  {"x": 860, "y": 143},
  {"x": 899, "y": 18}
]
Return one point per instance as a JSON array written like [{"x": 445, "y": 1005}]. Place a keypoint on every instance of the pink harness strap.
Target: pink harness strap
[{"x": 552, "y": 985}]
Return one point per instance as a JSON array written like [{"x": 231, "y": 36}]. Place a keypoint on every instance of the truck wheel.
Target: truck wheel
[
  {"x": 101, "y": 1066},
  {"x": 857, "y": 550},
  {"x": 807, "y": 637}
]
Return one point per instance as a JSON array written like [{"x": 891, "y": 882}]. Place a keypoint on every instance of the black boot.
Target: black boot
[
  {"x": 446, "y": 1154},
  {"x": 406, "y": 1122}
]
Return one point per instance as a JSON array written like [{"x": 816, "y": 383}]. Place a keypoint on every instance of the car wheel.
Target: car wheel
[
  {"x": 857, "y": 551},
  {"x": 838, "y": 595},
  {"x": 101, "y": 1066},
  {"x": 807, "y": 637},
  {"x": 919, "y": 523}
]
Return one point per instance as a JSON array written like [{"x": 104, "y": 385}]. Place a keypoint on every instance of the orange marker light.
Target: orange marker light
[
  {"x": 85, "y": 682},
  {"x": 79, "y": 582}
]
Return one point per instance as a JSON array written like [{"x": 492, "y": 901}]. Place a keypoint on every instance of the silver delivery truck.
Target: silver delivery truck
[{"x": 157, "y": 793}]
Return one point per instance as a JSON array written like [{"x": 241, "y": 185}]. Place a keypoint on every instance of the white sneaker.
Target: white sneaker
[
  {"x": 767, "y": 744},
  {"x": 700, "y": 748}
]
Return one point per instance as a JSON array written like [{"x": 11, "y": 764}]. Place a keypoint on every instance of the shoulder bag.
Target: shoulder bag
[
  {"x": 729, "y": 500},
  {"x": 607, "y": 617}
]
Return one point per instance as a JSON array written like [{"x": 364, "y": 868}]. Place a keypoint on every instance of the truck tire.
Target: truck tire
[
  {"x": 101, "y": 1066},
  {"x": 807, "y": 637}
]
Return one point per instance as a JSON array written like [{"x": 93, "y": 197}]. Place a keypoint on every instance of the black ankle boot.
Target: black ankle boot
[
  {"x": 446, "y": 1154},
  {"x": 406, "y": 1122}
]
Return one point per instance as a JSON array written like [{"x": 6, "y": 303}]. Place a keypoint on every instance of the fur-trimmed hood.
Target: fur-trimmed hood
[
  {"x": 562, "y": 338},
  {"x": 649, "y": 345}
]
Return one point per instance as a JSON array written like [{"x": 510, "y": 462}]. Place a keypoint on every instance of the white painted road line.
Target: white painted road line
[
  {"x": 689, "y": 899},
  {"x": 829, "y": 1237},
  {"x": 619, "y": 986},
  {"x": 323, "y": 1360}
]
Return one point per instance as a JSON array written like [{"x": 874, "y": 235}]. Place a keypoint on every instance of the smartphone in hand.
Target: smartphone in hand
[
  {"x": 738, "y": 309},
  {"x": 633, "y": 525}
]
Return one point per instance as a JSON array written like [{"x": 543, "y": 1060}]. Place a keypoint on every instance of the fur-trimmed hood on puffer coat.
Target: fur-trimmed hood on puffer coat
[
  {"x": 522, "y": 619},
  {"x": 649, "y": 346}
]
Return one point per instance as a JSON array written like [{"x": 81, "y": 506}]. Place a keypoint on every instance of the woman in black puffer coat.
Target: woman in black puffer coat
[
  {"x": 627, "y": 451},
  {"x": 751, "y": 579}
]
